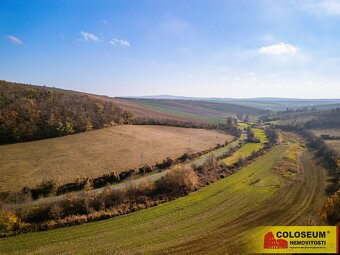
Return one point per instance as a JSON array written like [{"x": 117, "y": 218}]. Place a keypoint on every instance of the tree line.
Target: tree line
[{"x": 230, "y": 126}]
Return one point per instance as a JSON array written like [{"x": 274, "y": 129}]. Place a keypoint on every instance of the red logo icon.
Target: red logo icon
[{"x": 271, "y": 243}]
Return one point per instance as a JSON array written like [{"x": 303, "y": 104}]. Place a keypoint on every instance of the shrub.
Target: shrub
[
  {"x": 184, "y": 157},
  {"x": 165, "y": 164},
  {"x": 331, "y": 209},
  {"x": 93, "y": 203},
  {"x": 35, "y": 214},
  {"x": 140, "y": 188},
  {"x": 112, "y": 197},
  {"x": 180, "y": 180},
  {"x": 145, "y": 169},
  {"x": 56, "y": 211},
  {"x": 9, "y": 223},
  {"x": 211, "y": 163},
  {"x": 240, "y": 162},
  {"x": 74, "y": 205},
  {"x": 44, "y": 189}
]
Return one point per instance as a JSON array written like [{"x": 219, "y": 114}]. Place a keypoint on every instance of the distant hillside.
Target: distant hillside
[
  {"x": 328, "y": 119},
  {"x": 139, "y": 110},
  {"x": 30, "y": 112},
  {"x": 211, "y": 112},
  {"x": 264, "y": 103}
]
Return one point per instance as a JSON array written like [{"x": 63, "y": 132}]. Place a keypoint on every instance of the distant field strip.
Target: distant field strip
[
  {"x": 168, "y": 225},
  {"x": 246, "y": 150},
  {"x": 334, "y": 144},
  {"x": 155, "y": 105},
  {"x": 243, "y": 152},
  {"x": 94, "y": 153},
  {"x": 260, "y": 134}
]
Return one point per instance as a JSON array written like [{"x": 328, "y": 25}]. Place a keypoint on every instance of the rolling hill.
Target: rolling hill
[{"x": 212, "y": 112}]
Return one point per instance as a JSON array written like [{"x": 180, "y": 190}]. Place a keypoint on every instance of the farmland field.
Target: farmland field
[
  {"x": 214, "y": 219},
  {"x": 260, "y": 134},
  {"x": 243, "y": 152},
  {"x": 139, "y": 110},
  {"x": 94, "y": 153},
  {"x": 248, "y": 148},
  {"x": 211, "y": 112},
  {"x": 335, "y": 144}
]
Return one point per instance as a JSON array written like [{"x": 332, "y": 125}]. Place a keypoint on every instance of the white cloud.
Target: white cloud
[
  {"x": 323, "y": 7},
  {"x": 118, "y": 42},
  {"x": 89, "y": 37},
  {"x": 13, "y": 39},
  {"x": 278, "y": 49}
]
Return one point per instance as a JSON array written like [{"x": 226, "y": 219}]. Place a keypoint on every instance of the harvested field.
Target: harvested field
[
  {"x": 331, "y": 132},
  {"x": 94, "y": 153},
  {"x": 335, "y": 144}
]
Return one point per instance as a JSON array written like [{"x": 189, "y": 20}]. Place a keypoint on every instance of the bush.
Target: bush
[
  {"x": 36, "y": 214},
  {"x": 165, "y": 164},
  {"x": 9, "y": 223},
  {"x": 113, "y": 197},
  {"x": 140, "y": 188},
  {"x": 180, "y": 180},
  {"x": 44, "y": 189},
  {"x": 56, "y": 212},
  {"x": 211, "y": 163},
  {"x": 331, "y": 209}
]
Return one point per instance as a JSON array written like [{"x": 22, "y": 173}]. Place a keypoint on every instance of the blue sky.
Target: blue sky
[{"x": 253, "y": 48}]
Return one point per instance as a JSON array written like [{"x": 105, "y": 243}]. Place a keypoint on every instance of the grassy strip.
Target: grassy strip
[
  {"x": 244, "y": 152},
  {"x": 260, "y": 134}
]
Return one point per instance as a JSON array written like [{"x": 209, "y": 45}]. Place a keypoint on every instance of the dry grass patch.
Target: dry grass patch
[{"x": 94, "y": 153}]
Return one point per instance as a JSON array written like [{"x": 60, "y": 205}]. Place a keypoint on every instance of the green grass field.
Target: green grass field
[
  {"x": 259, "y": 133},
  {"x": 242, "y": 125},
  {"x": 243, "y": 152},
  {"x": 163, "y": 226},
  {"x": 248, "y": 148}
]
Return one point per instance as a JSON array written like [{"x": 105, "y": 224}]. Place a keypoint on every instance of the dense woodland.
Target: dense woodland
[{"x": 31, "y": 112}]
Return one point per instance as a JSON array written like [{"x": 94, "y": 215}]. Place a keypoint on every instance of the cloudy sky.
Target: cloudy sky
[{"x": 230, "y": 48}]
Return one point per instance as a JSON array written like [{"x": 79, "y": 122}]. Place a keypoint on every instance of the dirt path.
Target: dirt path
[{"x": 294, "y": 204}]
